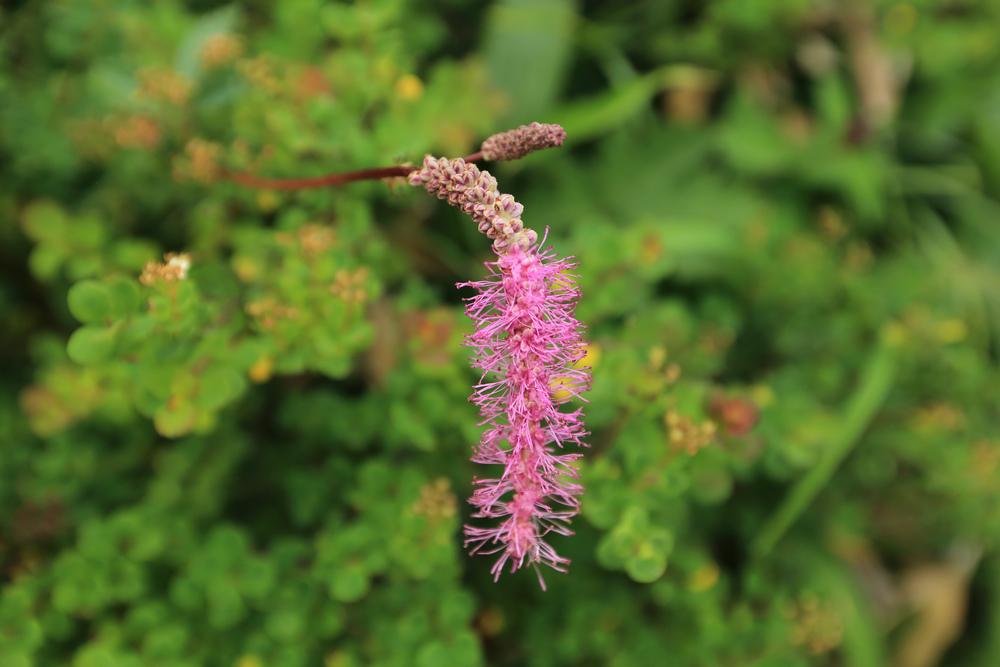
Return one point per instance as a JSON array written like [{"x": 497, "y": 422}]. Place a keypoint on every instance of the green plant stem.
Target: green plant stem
[{"x": 876, "y": 380}]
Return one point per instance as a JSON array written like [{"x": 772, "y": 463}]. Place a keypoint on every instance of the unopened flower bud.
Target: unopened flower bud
[
  {"x": 515, "y": 144},
  {"x": 474, "y": 192}
]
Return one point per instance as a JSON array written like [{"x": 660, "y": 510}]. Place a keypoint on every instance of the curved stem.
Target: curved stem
[
  {"x": 318, "y": 181},
  {"x": 329, "y": 180}
]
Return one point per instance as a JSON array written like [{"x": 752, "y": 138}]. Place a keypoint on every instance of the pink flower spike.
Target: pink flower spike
[
  {"x": 527, "y": 342},
  {"x": 527, "y": 345}
]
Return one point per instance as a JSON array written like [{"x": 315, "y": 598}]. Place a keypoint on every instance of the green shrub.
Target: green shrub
[{"x": 234, "y": 422}]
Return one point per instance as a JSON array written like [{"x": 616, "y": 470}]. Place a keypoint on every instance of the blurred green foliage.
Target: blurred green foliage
[{"x": 254, "y": 454}]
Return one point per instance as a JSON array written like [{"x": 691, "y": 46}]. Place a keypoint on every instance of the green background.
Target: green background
[{"x": 786, "y": 218}]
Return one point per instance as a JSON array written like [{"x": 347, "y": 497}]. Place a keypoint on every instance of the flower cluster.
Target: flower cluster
[
  {"x": 475, "y": 192},
  {"x": 528, "y": 344},
  {"x": 175, "y": 268},
  {"x": 515, "y": 144}
]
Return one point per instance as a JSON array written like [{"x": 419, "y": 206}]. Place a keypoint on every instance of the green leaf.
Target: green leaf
[
  {"x": 876, "y": 381},
  {"x": 412, "y": 426},
  {"x": 175, "y": 419},
  {"x": 147, "y": 543},
  {"x": 527, "y": 50},
  {"x": 166, "y": 641},
  {"x": 596, "y": 114},
  {"x": 91, "y": 344},
  {"x": 647, "y": 566},
  {"x": 132, "y": 254},
  {"x": 258, "y": 578},
  {"x": 44, "y": 221},
  {"x": 124, "y": 295},
  {"x": 225, "y": 606},
  {"x": 88, "y": 233},
  {"x": 284, "y": 625},
  {"x": 433, "y": 653},
  {"x": 349, "y": 584},
  {"x": 83, "y": 265},
  {"x": 711, "y": 483},
  {"x": 228, "y": 543},
  {"x": 613, "y": 550},
  {"x": 834, "y": 101},
  {"x": 217, "y": 386},
  {"x": 156, "y": 379},
  {"x": 45, "y": 262},
  {"x": 90, "y": 301},
  {"x": 185, "y": 594},
  {"x": 333, "y": 367}
]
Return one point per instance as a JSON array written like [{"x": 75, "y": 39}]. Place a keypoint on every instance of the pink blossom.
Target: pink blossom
[{"x": 527, "y": 344}]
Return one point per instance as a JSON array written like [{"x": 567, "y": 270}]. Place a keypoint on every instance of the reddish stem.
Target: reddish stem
[
  {"x": 318, "y": 181},
  {"x": 252, "y": 181}
]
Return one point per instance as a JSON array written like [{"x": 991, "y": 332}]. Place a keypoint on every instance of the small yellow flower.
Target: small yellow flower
[
  {"x": 591, "y": 356},
  {"x": 267, "y": 200},
  {"x": 895, "y": 334},
  {"x": 951, "y": 331},
  {"x": 704, "y": 578},
  {"x": 409, "y": 88},
  {"x": 762, "y": 395},
  {"x": 560, "y": 386},
  {"x": 261, "y": 370}
]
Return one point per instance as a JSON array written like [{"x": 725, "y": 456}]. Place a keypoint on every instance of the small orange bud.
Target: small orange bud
[{"x": 261, "y": 370}]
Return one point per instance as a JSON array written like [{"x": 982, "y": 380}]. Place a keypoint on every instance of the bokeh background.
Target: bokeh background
[{"x": 787, "y": 223}]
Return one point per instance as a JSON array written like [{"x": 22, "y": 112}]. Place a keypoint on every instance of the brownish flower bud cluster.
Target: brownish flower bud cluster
[
  {"x": 140, "y": 132},
  {"x": 313, "y": 239},
  {"x": 243, "y": 159},
  {"x": 268, "y": 311},
  {"x": 161, "y": 84},
  {"x": 436, "y": 501},
  {"x": 220, "y": 49},
  {"x": 985, "y": 464},
  {"x": 816, "y": 625},
  {"x": 349, "y": 285},
  {"x": 98, "y": 138},
  {"x": 312, "y": 83},
  {"x": 92, "y": 138},
  {"x": 200, "y": 162},
  {"x": 430, "y": 335},
  {"x": 657, "y": 357},
  {"x": 716, "y": 341},
  {"x": 259, "y": 72},
  {"x": 515, "y": 144},
  {"x": 175, "y": 268},
  {"x": 687, "y": 436},
  {"x": 938, "y": 416}
]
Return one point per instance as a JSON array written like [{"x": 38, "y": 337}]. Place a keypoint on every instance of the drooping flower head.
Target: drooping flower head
[
  {"x": 475, "y": 192},
  {"x": 528, "y": 344}
]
